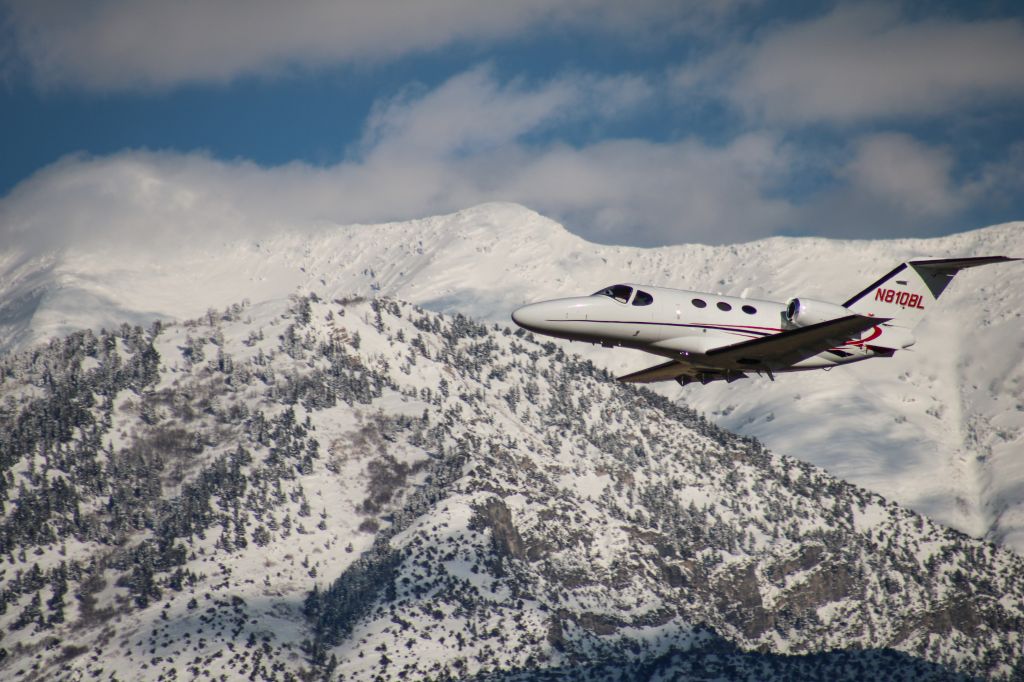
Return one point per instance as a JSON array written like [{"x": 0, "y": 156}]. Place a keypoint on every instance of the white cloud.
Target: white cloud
[
  {"x": 472, "y": 112},
  {"x": 887, "y": 185},
  {"x": 470, "y": 140},
  {"x": 473, "y": 140},
  {"x": 116, "y": 44},
  {"x": 865, "y": 61},
  {"x": 898, "y": 170},
  {"x": 638, "y": 192},
  {"x": 999, "y": 181}
]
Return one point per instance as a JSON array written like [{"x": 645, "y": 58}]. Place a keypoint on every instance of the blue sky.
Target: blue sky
[{"x": 644, "y": 123}]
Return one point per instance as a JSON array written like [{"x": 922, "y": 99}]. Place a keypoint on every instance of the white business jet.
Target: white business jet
[{"x": 708, "y": 337}]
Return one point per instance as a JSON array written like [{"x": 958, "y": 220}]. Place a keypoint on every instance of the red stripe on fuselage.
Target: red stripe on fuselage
[
  {"x": 875, "y": 333},
  {"x": 736, "y": 328}
]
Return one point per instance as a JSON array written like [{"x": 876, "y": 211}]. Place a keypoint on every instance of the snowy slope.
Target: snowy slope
[
  {"x": 465, "y": 501},
  {"x": 939, "y": 428}
]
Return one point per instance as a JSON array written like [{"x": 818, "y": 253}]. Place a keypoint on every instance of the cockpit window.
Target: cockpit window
[
  {"x": 620, "y": 292},
  {"x": 642, "y": 298}
]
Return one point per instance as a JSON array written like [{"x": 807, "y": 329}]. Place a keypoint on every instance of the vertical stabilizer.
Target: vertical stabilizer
[{"x": 906, "y": 293}]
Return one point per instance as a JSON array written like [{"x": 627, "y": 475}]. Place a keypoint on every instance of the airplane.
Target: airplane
[{"x": 709, "y": 337}]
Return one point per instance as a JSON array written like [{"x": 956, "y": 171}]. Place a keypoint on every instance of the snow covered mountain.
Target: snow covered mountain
[
  {"x": 361, "y": 489},
  {"x": 939, "y": 428}
]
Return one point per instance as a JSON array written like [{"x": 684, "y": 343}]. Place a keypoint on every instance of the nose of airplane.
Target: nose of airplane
[
  {"x": 543, "y": 317},
  {"x": 551, "y": 317},
  {"x": 530, "y": 316}
]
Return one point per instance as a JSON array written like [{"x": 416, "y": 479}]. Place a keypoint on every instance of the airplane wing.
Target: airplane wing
[
  {"x": 790, "y": 347},
  {"x": 683, "y": 372},
  {"x": 729, "y": 363},
  {"x": 663, "y": 372}
]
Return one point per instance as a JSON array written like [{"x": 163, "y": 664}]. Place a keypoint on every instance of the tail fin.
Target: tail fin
[{"x": 906, "y": 293}]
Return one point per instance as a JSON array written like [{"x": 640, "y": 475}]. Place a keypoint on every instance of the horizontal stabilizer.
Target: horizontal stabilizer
[{"x": 953, "y": 264}]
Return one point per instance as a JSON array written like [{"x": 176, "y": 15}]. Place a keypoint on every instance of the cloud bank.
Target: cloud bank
[
  {"x": 108, "y": 45},
  {"x": 474, "y": 139},
  {"x": 826, "y": 120},
  {"x": 865, "y": 62}
]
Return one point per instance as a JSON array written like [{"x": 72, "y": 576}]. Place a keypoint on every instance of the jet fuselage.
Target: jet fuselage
[
  {"x": 674, "y": 323},
  {"x": 709, "y": 337}
]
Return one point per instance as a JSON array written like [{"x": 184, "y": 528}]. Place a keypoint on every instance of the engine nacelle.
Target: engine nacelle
[{"x": 803, "y": 312}]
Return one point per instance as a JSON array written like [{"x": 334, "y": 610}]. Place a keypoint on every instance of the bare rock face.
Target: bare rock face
[
  {"x": 495, "y": 516},
  {"x": 738, "y": 598}
]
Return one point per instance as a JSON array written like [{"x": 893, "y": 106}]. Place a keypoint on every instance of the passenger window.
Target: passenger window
[
  {"x": 699, "y": 303},
  {"x": 642, "y": 298},
  {"x": 722, "y": 305},
  {"x": 620, "y": 292},
  {"x": 749, "y": 309}
]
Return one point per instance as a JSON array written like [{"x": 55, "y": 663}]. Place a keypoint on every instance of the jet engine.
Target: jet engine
[{"x": 803, "y": 312}]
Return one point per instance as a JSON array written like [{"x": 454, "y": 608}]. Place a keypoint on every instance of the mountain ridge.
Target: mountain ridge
[
  {"x": 939, "y": 428},
  {"x": 362, "y": 488},
  {"x": 308, "y": 253}
]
